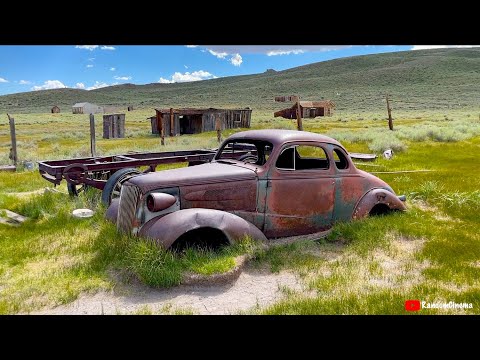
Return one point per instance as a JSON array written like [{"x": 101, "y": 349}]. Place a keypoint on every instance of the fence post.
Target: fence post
[
  {"x": 299, "y": 115},
  {"x": 218, "y": 127},
  {"x": 13, "y": 150},
  {"x": 93, "y": 145},
  {"x": 389, "y": 110}
]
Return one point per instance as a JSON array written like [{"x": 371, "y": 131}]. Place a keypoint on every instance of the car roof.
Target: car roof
[{"x": 278, "y": 137}]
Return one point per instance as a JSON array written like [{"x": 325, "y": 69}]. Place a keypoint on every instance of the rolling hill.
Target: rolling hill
[{"x": 426, "y": 80}]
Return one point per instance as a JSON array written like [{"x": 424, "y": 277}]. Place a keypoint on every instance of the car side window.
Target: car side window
[
  {"x": 340, "y": 159},
  {"x": 303, "y": 157}
]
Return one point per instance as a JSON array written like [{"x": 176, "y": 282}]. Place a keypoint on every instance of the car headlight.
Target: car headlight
[{"x": 160, "y": 201}]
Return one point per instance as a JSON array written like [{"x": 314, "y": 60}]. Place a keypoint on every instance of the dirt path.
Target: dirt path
[{"x": 253, "y": 288}]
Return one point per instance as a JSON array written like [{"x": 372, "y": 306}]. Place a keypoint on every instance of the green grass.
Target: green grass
[
  {"x": 54, "y": 257},
  {"x": 160, "y": 268},
  {"x": 438, "y": 79},
  {"x": 431, "y": 252}
]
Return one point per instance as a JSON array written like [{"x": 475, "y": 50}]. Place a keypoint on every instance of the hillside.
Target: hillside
[{"x": 417, "y": 80}]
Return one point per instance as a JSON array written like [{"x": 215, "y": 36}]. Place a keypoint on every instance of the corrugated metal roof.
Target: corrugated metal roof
[
  {"x": 321, "y": 103},
  {"x": 82, "y": 104}
]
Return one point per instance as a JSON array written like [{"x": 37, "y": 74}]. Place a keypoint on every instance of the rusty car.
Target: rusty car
[{"x": 288, "y": 183}]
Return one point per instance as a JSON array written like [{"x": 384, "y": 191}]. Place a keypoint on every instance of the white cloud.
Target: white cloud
[
  {"x": 220, "y": 55},
  {"x": 105, "y": 47},
  {"x": 236, "y": 60},
  {"x": 87, "y": 47},
  {"x": 285, "y": 52},
  {"x": 2, "y": 80},
  {"x": 165, "y": 81},
  {"x": 186, "y": 67},
  {"x": 273, "y": 49},
  {"x": 89, "y": 66},
  {"x": 91, "y": 59},
  {"x": 112, "y": 69},
  {"x": 98, "y": 85},
  {"x": 50, "y": 84},
  {"x": 80, "y": 86},
  {"x": 124, "y": 78},
  {"x": 24, "y": 82},
  {"x": 191, "y": 46},
  {"x": 425, "y": 47},
  {"x": 187, "y": 77}
]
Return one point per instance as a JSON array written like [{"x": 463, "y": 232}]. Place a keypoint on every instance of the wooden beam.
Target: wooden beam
[
  {"x": 160, "y": 128},
  {"x": 299, "y": 116},
  {"x": 172, "y": 123},
  {"x": 389, "y": 111},
  {"x": 13, "y": 136},
  {"x": 218, "y": 127},
  {"x": 93, "y": 145}
]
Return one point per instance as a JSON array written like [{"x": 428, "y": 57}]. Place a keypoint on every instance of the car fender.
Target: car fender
[
  {"x": 167, "y": 229},
  {"x": 374, "y": 197},
  {"x": 112, "y": 210}
]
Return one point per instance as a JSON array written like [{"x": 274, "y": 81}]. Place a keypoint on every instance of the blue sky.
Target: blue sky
[{"x": 27, "y": 68}]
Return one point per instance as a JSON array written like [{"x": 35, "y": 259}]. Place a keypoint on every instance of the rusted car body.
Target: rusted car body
[{"x": 290, "y": 183}]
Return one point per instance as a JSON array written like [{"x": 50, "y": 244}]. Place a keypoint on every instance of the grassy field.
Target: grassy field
[
  {"x": 431, "y": 252},
  {"x": 440, "y": 79}
]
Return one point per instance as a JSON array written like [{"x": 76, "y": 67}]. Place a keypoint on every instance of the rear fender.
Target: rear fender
[
  {"x": 374, "y": 197},
  {"x": 167, "y": 229}
]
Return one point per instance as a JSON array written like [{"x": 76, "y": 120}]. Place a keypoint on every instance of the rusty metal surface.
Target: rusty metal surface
[
  {"x": 279, "y": 137},
  {"x": 202, "y": 175},
  {"x": 112, "y": 210},
  {"x": 170, "y": 227},
  {"x": 375, "y": 197},
  {"x": 307, "y": 198},
  {"x": 82, "y": 170}
]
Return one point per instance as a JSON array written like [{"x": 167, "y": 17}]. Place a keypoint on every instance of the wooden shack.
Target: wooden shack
[
  {"x": 55, "y": 109},
  {"x": 113, "y": 126},
  {"x": 194, "y": 121},
  {"x": 308, "y": 109}
]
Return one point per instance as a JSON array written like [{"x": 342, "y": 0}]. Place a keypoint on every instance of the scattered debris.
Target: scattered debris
[
  {"x": 28, "y": 165},
  {"x": 8, "y": 217},
  {"x": 364, "y": 157},
  {"x": 10, "y": 168},
  {"x": 82, "y": 213},
  {"x": 388, "y": 154}
]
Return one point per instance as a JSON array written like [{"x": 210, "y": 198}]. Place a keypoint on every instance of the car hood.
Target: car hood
[{"x": 193, "y": 175}]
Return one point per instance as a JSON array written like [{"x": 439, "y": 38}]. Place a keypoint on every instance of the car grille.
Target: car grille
[{"x": 129, "y": 195}]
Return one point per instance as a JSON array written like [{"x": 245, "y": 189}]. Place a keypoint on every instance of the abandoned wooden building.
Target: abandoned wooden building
[
  {"x": 113, "y": 126},
  {"x": 55, "y": 109},
  {"x": 308, "y": 109},
  {"x": 194, "y": 121},
  {"x": 86, "y": 108}
]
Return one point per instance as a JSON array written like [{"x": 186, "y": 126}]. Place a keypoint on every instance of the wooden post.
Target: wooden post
[
  {"x": 160, "y": 129},
  {"x": 299, "y": 115},
  {"x": 13, "y": 150},
  {"x": 172, "y": 123},
  {"x": 93, "y": 145},
  {"x": 218, "y": 127},
  {"x": 390, "y": 120}
]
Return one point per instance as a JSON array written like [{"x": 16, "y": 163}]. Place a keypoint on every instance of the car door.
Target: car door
[{"x": 300, "y": 191}]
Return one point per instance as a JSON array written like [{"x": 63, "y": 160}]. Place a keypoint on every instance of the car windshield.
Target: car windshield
[{"x": 247, "y": 151}]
